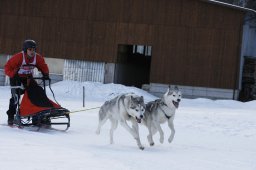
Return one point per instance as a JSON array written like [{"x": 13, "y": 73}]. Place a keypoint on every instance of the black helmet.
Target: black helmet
[{"x": 29, "y": 44}]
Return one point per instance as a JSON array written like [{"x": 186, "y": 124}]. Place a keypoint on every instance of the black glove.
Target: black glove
[
  {"x": 46, "y": 77},
  {"x": 29, "y": 76},
  {"x": 15, "y": 80},
  {"x": 16, "y": 77}
]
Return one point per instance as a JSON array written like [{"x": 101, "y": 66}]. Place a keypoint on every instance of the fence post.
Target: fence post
[{"x": 83, "y": 96}]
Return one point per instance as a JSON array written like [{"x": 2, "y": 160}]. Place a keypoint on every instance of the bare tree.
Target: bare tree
[{"x": 251, "y": 4}]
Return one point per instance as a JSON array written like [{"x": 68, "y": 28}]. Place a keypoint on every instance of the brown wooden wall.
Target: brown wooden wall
[{"x": 193, "y": 42}]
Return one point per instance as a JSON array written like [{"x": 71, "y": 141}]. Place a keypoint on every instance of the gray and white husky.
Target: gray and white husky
[
  {"x": 161, "y": 111},
  {"x": 121, "y": 109}
]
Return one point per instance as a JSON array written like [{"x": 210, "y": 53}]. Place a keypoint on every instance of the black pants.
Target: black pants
[{"x": 16, "y": 92}]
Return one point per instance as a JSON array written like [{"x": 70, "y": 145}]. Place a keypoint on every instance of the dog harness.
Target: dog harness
[
  {"x": 160, "y": 103},
  {"x": 164, "y": 104}
]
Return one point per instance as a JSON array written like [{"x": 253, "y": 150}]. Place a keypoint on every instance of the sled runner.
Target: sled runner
[{"x": 36, "y": 109}]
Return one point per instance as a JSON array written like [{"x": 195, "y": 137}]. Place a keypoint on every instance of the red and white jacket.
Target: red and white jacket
[{"x": 19, "y": 62}]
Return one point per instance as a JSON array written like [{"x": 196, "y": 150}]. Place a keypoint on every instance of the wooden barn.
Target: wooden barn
[{"x": 194, "y": 44}]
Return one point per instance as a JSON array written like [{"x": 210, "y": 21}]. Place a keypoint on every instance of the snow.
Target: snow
[{"x": 210, "y": 135}]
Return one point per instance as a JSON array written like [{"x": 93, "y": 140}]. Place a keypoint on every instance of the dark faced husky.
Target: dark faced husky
[
  {"x": 161, "y": 111},
  {"x": 121, "y": 109}
]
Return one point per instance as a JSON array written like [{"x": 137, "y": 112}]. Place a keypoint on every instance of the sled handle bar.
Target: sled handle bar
[
  {"x": 43, "y": 79},
  {"x": 40, "y": 78},
  {"x": 17, "y": 87}
]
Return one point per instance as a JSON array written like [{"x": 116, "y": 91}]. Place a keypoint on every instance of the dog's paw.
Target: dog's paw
[
  {"x": 161, "y": 140},
  {"x": 170, "y": 140},
  {"x": 141, "y": 147},
  {"x": 97, "y": 132},
  {"x": 150, "y": 140}
]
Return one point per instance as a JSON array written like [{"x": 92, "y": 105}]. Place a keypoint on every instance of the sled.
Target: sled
[{"x": 37, "y": 110}]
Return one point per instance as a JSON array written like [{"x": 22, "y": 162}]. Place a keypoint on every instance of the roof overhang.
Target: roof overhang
[{"x": 229, "y": 5}]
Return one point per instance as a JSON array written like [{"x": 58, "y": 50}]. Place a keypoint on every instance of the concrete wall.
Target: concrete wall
[
  {"x": 55, "y": 68},
  {"x": 2, "y": 77},
  {"x": 104, "y": 72},
  {"x": 55, "y": 65},
  {"x": 193, "y": 92},
  {"x": 3, "y": 59},
  {"x": 109, "y": 73}
]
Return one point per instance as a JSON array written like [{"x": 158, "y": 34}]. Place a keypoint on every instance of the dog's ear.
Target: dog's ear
[
  {"x": 176, "y": 88},
  {"x": 141, "y": 98},
  {"x": 132, "y": 101},
  {"x": 132, "y": 98},
  {"x": 169, "y": 90},
  {"x": 169, "y": 87}
]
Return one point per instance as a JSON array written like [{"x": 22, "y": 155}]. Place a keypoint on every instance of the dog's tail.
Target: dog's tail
[{"x": 102, "y": 114}]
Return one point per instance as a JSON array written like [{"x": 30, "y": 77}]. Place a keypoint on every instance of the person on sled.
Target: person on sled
[{"x": 18, "y": 68}]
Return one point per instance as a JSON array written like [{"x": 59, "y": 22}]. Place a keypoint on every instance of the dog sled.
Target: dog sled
[{"x": 36, "y": 110}]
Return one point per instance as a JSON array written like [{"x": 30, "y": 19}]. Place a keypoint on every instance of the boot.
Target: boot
[
  {"x": 10, "y": 120},
  {"x": 46, "y": 122},
  {"x": 35, "y": 121}
]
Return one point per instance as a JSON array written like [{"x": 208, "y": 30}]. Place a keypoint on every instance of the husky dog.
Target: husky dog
[
  {"x": 121, "y": 109},
  {"x": 161, "y": 111}
]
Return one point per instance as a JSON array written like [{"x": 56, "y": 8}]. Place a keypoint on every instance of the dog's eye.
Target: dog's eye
[
  {"x": 142, "y": 110},
  {"x": 174, "y": 95},
  {"x": 137, "y": 110}
]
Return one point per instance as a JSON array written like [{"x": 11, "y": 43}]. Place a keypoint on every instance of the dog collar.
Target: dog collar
[
  {"x": 168, "y": 117},
  {"x": 163, "y": 103}
]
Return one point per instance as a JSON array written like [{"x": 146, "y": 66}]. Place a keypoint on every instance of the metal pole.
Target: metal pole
[{"x": 83, "y": 96}]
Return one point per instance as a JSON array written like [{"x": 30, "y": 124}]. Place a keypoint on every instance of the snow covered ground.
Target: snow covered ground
[{"x": 210, "y": 135}]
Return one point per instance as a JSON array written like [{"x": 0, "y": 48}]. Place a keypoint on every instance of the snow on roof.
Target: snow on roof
[{"x": 230, "y": 5}]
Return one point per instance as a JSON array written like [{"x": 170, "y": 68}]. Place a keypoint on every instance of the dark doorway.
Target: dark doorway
[
  {"x": 133, "y": 65},
  {"x": 248, "y": 91}
]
